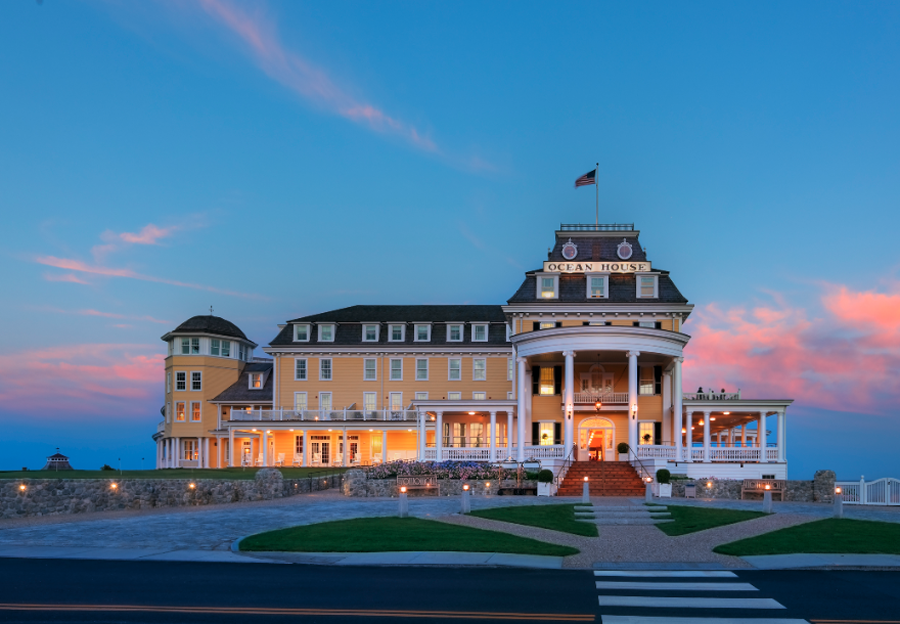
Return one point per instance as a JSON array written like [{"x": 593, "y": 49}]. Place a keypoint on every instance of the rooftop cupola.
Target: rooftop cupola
[{"x": 209, "y": 335}]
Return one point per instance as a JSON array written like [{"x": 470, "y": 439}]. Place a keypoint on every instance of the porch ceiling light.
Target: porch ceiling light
[
  {"x": 371, "y": 430},
  {"x": 471, "y": 413},
  {"x": 329, "y": 430},
  {"x": 727, "y": 413},
  {"x": 409, "y": 429},
  {"x": 700, "y": 423},
  {"x": 712, "y": 418},
  {"x": 254, "y": 431},
  {"x": 683, "y": 430}
]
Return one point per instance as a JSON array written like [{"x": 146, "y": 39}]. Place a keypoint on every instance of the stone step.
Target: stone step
[
  {"x": 625, "y": 521},
  {"x": 622, "y": 514}
]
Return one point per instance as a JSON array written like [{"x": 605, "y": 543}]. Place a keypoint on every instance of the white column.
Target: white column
[
  {"x": 706, "y": 440},
  {"x": 529, "y": 395},
  {"x": 520, "y": 413},
  {"x": 782, "y": 427},
  {"x": 158, "y": 452},
  {"x": 688, "y": 436},
  {"x": 632, "y": 398},
  {"x": 177, "y": 454},
  {"x": 569, "y": 403},
  {"x": 306, "y": 448},
  {"x": 509, "y": 433},
  {"x": 384, "y": 454},
  {"x": 346, "y": 454},
  {"x": 264, "y": 437},
  {"x": 761, "y": 437},
  {"x": 420, "y": 439},
  {"x": 199, "y": 448},
  {"x": 231, "y": 446},
  {"x": 667, "y": 407},
  {"x": 743, "y": 435},
  {"x": 677, "y": 401},
  {"x": 493, "y": 434},
  {"x": 206, "y": 452},
  {"x": 439, "y": 437}
]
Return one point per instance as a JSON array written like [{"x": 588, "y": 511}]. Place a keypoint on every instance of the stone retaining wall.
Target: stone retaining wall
[
  {"x": 819, "y": 490},
  {"x": 356, "y": 484},
  {"x": 44, "y": 497}
]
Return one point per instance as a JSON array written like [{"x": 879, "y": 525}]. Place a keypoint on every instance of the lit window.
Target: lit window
[
  {"x": 479, "y": 396},
  {"x": 226, "y": 348},
  {"x": 547, "y": 433},
  {"x": 301, "y": 333},
  {"x": 455, "y": 370},
  {"x": 185, "y": 346},
  {"x": 196, "y": 381},
  {"x": 597, "y": 287},
  {"x": 646, "y": 433},
  {"x": 547, "y": 382},
  {"x": 548, "y": 288},
  {"x": 510, "y": 368},
  {"x": 370, "y": 370},
  {"x": 256, "y": 381},
  {"x": 454, "y": 396},
  {"x": 181, "y": 381},
  {"x": 300, "y": 403},
  {"x": 479, "y": 333},
  {"x": 397, "y": 370},
  {"x": 370, "y": 333},
  {"x": 396, "y": 401},
  {"x": 397, "y": 333},
  {"x": 300, "y": 369},
  {"x": 454, "y": 333},
  {"x": 422, "y": 370},
  {"x": 547, "y": 324},
  {"x": 325, "y": 401},
  {"x": 325, "y": 369},
  {"x": 647, "y": 380},
  {"x": 370, "y": 401},
  {"x": 421, "y": 396},
  {"x": 195, "y": 411},
  {"x": 326, "y": 333},
  {"x": 479, "y": 369},
  {"x": 179, "y": 411},
  {"x": 423, "y": 333},
  {"x": 195, "y": 346}
]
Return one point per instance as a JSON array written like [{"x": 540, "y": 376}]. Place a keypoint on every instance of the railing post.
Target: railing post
[{"x": 862, "y": 490}]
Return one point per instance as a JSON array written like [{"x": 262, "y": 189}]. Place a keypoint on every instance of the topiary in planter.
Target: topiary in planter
[
  {"x": 663, "y": 476},
  {"x": 622, "y": 448},
  {"x": 545, "y": 476}
]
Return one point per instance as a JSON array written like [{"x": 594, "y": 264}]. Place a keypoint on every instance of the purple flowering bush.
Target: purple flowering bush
[{"x": 443, "y": 470}]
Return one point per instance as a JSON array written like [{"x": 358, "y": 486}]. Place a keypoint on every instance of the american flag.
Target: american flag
[{"x": 587, "y": 179}]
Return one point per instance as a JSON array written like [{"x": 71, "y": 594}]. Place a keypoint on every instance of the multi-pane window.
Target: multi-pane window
[
  {"x": 214, "y": 346},
  {"x": 421, "y": 396},
  {"x": 396, "y": 401},
  {"x": 190, "y": 449},
  {"x": 370, "y": 369},
  {"x": 422, "y": 370},
  {"x": 647, "y": 380},
  {"x": 226, "y": 348},
  {"x": 598, "y": 287},
  {"x": 301, "y": 333},
  {"x": 547, "y": 382},
  {"x": 397, "y": 370},
  {"x": 479, "y": 396},
  {"x": 300, "y": 401},
  {"x": 454, "y": 333},
  {"x": 168, "y": 412},
  {"x": 397, "y": 333},
  {"x": 479, "y": 333},
  {"x": 326, "y": 333},
  {"x": 423, "y": 333},
  {"x": 648, "y": 286},
  {"x": 256, "y": 381},
  {"x": 195, "y": 346},
  {"x": 370, "y": 333},
  {"x": 180, "y": 380},
  {"x": 479, "y": 369},
  {"x": 179, "y": 411},
  {"x": 646, "y": 433},
  {"x": 646, "y": 324},
  {"x": 548, "y": 288},
  {"x": 300, "y": 372},
  {"x": 547, "y": 324},
  {"x": 455, "y": 373},
  {"x": 185, "y": 346},
  {"x": 325, "y": 369},
  {"x": 298, "y": 444},
  {"x": 510, "y": 369},
  {"x": 196, "y": 380},
  {"x": 168, "y": 383},
  {"x": 370, "y": 401},
  {"x": 325, "y": 401},
  {"x": 242, "y": 354},
  {"x": 454, "y": 396},
  {"x": 195, "y": 411}
]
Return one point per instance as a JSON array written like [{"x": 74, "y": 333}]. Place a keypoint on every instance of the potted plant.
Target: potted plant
[
  {"x": 545, "y": 483},
  {"x": 663, "y": 485},
  {"x": 622, "y": 448}
]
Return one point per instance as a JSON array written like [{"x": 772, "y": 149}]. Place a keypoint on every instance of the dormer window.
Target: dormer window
[
  {"x": 454, "y": 333},
  {"x": 397, "y": 333},
  {"x": 256, "y": 381},
  {"x": 326, "y": 333},
  {"x": 597, "y": 286},
  {"x": 547, "y": 286},
  {"x": 370, "y": 333},
  {"x": 423, "y": 333},
  {"x": 301, "y": 332},
  {"x": 647, "y": 286},
  {"x": 479, "y": 332}
]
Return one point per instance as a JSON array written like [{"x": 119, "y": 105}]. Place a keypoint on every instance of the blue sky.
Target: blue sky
[{"x": 282, "y": 158}]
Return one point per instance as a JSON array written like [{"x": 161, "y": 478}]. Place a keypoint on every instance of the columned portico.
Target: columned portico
[
  {"x": 676, "y": 409},
  {"x": 520, "y": 410},
  {"x": 569, "y": 401},
  {"x": 632, "y": 398}
]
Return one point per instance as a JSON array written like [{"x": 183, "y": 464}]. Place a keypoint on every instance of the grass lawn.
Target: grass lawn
[
  {"x": 693, "y": 519},
  {"x": 556, "y": 517},
  {"x": 396, "y": 534},
  {"x": 831, "y": 535},
  {"x": 173, "y": 473}
]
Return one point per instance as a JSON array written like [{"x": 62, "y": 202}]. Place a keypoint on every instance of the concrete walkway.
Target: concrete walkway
[
  {"x": 787, "y": 562},
  {"x": 415, "y": 558}
]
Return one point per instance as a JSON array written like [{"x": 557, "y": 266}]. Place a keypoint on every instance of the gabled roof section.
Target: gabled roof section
[{"x": 240, "y": 392}]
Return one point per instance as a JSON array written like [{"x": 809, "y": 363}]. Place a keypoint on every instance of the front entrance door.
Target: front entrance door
[{"x": 596, "y": 439}]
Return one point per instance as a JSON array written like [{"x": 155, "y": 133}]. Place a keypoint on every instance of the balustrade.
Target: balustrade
[{"x": 325, "y": 415}]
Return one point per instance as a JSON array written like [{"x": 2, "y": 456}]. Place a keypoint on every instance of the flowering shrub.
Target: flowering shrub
[{"x": 443, "y": 470}]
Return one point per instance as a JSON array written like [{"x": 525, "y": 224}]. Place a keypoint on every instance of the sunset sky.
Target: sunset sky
[{"x": 276, "y": 159}]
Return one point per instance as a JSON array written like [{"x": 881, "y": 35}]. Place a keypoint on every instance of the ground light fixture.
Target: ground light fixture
[
  {"x": 113, "y": 486},
  {"x": 192, "y": 485},
  {"x": 22, "y": 487},
  {"x": 649, "y": 479},
  {"x": 837, "y": 490},
  {"x": 487, "y": 484},
  {"x": 768, "y": 487},
  {"x": 709, "y": 484},
  {"x": 466, "y": 487},
  {"x": 585, "y": 478},
  {"x": 403, "y": 489}
]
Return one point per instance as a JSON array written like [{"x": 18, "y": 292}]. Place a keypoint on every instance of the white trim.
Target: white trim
[
  {"x": 175, "y": 415},
  {"x": 377, "y": 327},
  {"x": 200, "y": 389},
  {"x": 486, "y": 331},
  {"x": 391, "y": 401},
  {"x": 606, "y": 338},
  {"x": 426, "y": 369},
  {"x": 375, "y": 362},
  {"x": 330, "y": 369},
  {"x": 391, "y": 369},
  {"x": 322, "y": 326},
  {"x": 168, "y": 382},
  {"x": 638, "y": 277},
  {"x": 462, "y": 329},
  {"x": 391, "y": 327},
  {"x": 539, "y": 292},
  {"x": 451, "y": 395},
  {"x": 510, "y": 369},
  {"x": 298, "y": 326},
  {"x": 305, "y": 369},
  {"x": 474, "y": 378},
  {"x": 450, "y": 369},
  {"x": 604, "y": 277},
  {"x": 416, "y": 327}
]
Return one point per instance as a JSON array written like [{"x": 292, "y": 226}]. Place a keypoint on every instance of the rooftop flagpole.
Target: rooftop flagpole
[{"x": 597, "y": 188}]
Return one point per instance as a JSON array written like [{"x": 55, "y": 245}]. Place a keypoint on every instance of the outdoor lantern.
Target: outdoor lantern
[
  {"x": 403, "y": 489},
  {"x": 837, "y": 490},
  {"x": 598, "y": 405},
  {"x": 768, "y": 487},
  {"x": 649, "y": 479},
  {"x": 466, "y": 487},
  {"x": 113, "y": 486},
  {"x": 709, "y": 484},
  {"x": 192, "y": 486},
  {"x": 585, "y": 478},
  {"x": 22, "y": 487},
  {"x": 700, "y": 423},
  {"x": 683, "y": 430},
  {"x": 487, "y": 484}
]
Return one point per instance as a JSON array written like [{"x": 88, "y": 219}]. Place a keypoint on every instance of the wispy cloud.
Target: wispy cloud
[
  {"x": 304, "y": 78},
  {"x": 64, "y": 277},
  {"x": 148, "y": 235},
  {"x": 82, "y": 267},
  {"x": 98, "y": 313}
]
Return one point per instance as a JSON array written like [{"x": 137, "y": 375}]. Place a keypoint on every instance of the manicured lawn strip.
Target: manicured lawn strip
[
  {"x": 556, "y": 517},
  {"x": 396, "y": 535},
  {"x": 831, "y": 535},
  {"x": 693, "y": 519},
  {"x": 173, "y": 473}
]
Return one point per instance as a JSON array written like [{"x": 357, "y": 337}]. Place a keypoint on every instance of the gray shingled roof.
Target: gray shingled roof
[
  {"x": 208, "y": 324},
  {"x": 240, "y": 392},
  {"x": 622, "y": 289}
]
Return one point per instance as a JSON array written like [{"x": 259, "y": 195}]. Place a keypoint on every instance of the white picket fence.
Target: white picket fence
[{"x": 884, "y": 491}]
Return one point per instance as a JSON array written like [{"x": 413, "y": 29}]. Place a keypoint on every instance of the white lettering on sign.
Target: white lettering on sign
[{"x": 596, "y": 267}]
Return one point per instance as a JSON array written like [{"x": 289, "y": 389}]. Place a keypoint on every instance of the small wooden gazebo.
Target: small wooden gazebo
[{"x": 57, "y": 461}]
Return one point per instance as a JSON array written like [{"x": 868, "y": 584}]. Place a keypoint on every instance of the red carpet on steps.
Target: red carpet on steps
[{"x": 606, "y": 478}]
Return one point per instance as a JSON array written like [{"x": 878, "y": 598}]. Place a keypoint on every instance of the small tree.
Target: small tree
[
  {"x": 622, "y": 448},
  {"x": 107, "y": 467},
  {"x": 545, "y": 476},
  {"x": 663, "y": 476}
]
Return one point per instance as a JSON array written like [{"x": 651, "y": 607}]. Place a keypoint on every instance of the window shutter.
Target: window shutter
[
  {"x": 535, "y": 434},
  {"x": 535, "y": 326},
  {"x": 636, "y": 323},
  {"x": 557, "y": 380},
  {"x": 658, "y": 324},
  {"x": 559, "y": 323},
  {"x": 657, "y": 375},
  {"x": 535, "y": 380},
  {"x": 557, "y": 433},
  {"x": 585, "y": 323},
  {"x": 657, "y": 433}
]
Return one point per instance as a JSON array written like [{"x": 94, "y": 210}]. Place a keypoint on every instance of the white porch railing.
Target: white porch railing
[
  {"x": 467, "y": 454},
  {"x": 607, "y": 398},
  {"x": 557, "y": 451},
  {"x": 884, "y": 491},
  {"x": 712, "y": 396},
  {"x": 483, "y": 453},
  {"x": 655, "y": 451},
  {"x": 735, "y": 454},
  {"x": 324, "y": 415}
]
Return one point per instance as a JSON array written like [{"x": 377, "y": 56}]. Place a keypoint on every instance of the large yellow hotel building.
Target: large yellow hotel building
[{"x": 586, "y": 354}]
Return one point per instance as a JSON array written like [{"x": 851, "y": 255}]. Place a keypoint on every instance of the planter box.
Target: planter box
[
  {"x": 623, "y": 456},
  {"x": 546, "y": 489},
  {"x": 664, "y": 490}
]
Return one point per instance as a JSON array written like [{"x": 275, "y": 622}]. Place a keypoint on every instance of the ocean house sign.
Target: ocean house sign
[{"x": 596, "y": 267}]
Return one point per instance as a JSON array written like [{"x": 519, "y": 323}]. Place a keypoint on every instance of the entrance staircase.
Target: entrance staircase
[
  {"x": 606, "y": 478},
  {"x": 622, "y": 514}
]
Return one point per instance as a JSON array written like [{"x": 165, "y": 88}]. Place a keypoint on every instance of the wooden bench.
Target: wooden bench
[
  {"x": 760, "y": 486},
  {"x": 419, "y": 482}
]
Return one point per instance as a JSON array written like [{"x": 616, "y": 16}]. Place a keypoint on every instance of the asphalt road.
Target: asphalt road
[{"x": 124, "y": 591}]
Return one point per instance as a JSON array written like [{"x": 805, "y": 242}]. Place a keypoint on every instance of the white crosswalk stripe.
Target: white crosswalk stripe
[{"x": 641, "y": 589}]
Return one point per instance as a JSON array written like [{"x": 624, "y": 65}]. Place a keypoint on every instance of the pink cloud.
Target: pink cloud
[
  {"x": 303, "y": 77},
  {"x": 79, "y": 266},
  {"x": 65, "y": 277},
  {"x": 844, "y": 356},
  {"x": 149, "y": 235},
  {"x": 102, "y": 378}
]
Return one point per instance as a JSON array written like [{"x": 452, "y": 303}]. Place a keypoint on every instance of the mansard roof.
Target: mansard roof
[
  {"x": 240, "y": 392},
  {"x": 622, "y": 289}
]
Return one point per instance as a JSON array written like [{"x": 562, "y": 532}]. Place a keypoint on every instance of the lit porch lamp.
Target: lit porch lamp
[
  {"x": 634, "y": 412},
  {"x": 569, "y": 411}
]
